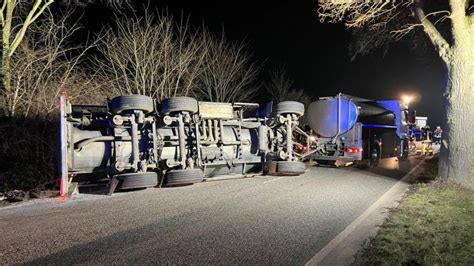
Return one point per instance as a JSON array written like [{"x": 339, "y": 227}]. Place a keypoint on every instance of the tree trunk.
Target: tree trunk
[
  {"x": 7, "y": 83},
  {"x": 6, "y": 57},
  {"x": 457, "y": 151}
]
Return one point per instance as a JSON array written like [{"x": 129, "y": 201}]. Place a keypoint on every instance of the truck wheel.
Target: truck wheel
[
  {"x": 137, "y": 180},
  {"x": 131, "y": 102},
  {"x": 186, "y": 176},
  {"x": 374, "y": 157},
  {"x": 179, "y": 104},
  {"x": 404, "y": 156},
  {"x": 290, "y": 107},
  {"x": 290, "y": 168},
  {"x": 406, "y": 150},
  {"x": 363, "y": 164},
  {"x": 326, "y": 162}
]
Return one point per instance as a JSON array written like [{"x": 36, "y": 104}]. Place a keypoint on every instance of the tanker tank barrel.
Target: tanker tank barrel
[{"x": 332, "y": 116}]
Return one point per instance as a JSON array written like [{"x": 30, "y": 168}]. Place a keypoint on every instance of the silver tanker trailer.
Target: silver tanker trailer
[
  {"x": 353, "y": 129},
  {"x": 136, "y": 142}
]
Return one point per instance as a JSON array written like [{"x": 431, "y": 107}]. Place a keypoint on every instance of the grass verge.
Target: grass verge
[{"x": 433, "y": 225}]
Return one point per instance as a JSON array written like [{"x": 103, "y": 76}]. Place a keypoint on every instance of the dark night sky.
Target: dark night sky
[{"x": 314, "y": 54}]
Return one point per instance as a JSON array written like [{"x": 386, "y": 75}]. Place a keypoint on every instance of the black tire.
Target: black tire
[
  {"x": 126, "y": 103},
  {"x": 404, "y": 156},
  {"x": 406, "y": 150},
  {"x": 374, "y": 157},
  {"x": 326, "y": 162},
  {"x": 137, "y": 180},
  {"x": 290, "y": 107},
  {"x": 363, "y": 164},
  {"x": 290, "y": 168},
  {"x": 179, "y": 104},
  {"x": 186, "y": 176}
]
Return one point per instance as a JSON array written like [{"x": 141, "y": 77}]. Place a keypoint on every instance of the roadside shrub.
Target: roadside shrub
[
  {"x": 430, "y": 170},
  {"x": 45, "y": 65},
  {"x": 28, "y": 152}
]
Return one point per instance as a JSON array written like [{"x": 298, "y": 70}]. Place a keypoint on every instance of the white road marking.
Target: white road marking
[
  {"x": 396, "y": 188},
  {"x": 281, "y": 177}
]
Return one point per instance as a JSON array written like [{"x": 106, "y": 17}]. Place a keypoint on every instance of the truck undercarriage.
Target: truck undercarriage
[{"x": 136, "y": 142}]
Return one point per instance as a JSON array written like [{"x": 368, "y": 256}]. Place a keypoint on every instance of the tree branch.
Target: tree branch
[
  {"x": 41, "y": 10},
  {"x": 34, "y": 13},
  {"x": 2, "y": 16},
  {"x": 435, "y": 36}
]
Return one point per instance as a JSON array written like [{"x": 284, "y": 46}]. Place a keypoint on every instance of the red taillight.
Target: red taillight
[{"x": 353, "y": 150}]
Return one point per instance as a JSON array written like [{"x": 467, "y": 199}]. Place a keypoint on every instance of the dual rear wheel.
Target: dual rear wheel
[
  {"x": 150, "y": 179},
  {"x": 372, "y": 160},
  {"x": 184, "y": 176},
  {"x": 137, "y": 180},
  {"x": 289, "y": 168},
  {"x": 135, "y": 102},
  {"x": 290, "y": 107}
]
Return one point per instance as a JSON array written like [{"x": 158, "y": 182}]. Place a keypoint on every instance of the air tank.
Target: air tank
[{"x": 332, "y": 116}]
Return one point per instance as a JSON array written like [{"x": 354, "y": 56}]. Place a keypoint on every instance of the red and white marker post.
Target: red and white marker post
[{"x": 64, "y": 185}]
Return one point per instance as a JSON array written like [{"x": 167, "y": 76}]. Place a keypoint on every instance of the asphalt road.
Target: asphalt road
[{"x": 257, "y": 220}]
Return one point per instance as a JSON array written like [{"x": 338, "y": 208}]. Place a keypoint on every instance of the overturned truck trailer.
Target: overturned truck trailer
[{"x": 136, "y": 142}]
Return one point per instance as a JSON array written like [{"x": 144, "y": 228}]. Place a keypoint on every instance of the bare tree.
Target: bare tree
[
  {"x": 229, "y": 73},
  {"x": 281, "y": 88},
  {"x": 13, "y": 32},
  {"x": 151, "y": 55},
  {"x": 382, "y": 21},
  {"x": 43, "y": 67},
  {"x": 279, "y": 85},
  {"x": 16, "y": 17}
]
